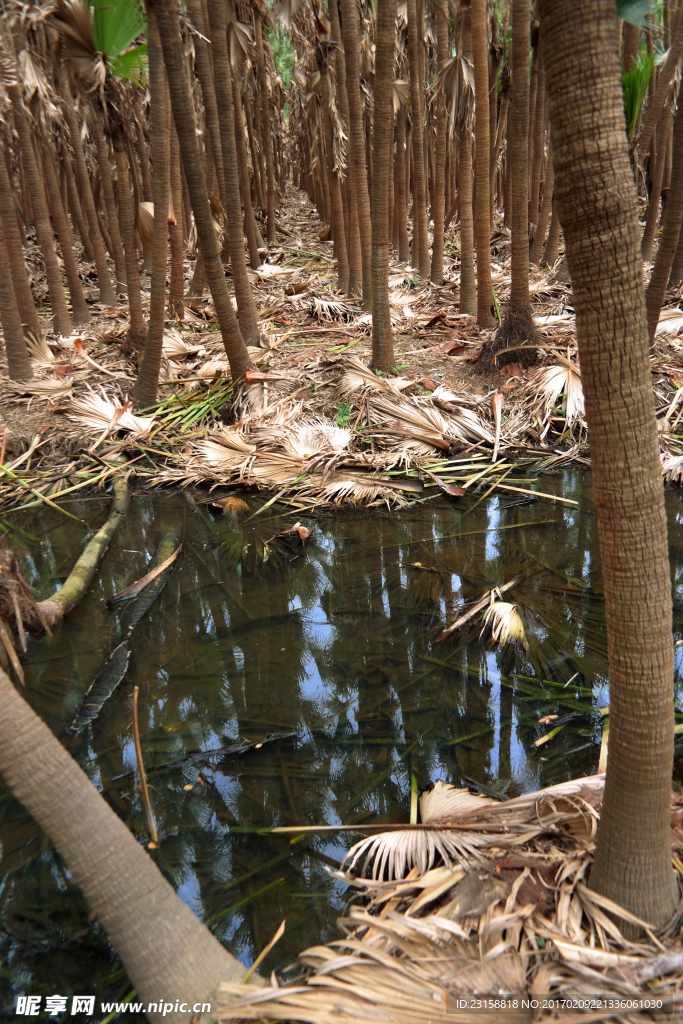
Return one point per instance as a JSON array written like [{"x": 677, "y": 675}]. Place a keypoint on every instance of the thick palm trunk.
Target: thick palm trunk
[
  {"x": 420, "y": 237},
  {"x": 109, "y": 200},
  {"x": 176, "y": 294},
  {"x": 18, "y": 362},
  {"x": 15, "y": 254},
  {"x": 222, "y": 74},
  {"x": 146, "y": 385},
  {"x": 183, "y": 116},
  {"x": 137, "y": 330},
  {"x": 264, "y": 86},
  {"x": 60, "y": 312},
  {"x": 335, "y": 184},
  {"x": 656, "y": 290},
  {"x": 518, "y": 326},
  {"x": 79, "y": 307},
  {"x": 165, "y": 949},
  {"x": 107, "y": 293},
  {"x": 382, "y": 138},
  {"x": 358, "y": 175},
  {"x": 483, "y": 225},
  {"x": 439, "y": 193},
  {"x": 596, "y": 200}
]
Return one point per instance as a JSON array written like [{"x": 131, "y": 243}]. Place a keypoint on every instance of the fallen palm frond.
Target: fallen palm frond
[
  {"x": 38, "y": 349},
  {"x": 553, "y": 383},
  {"x": 670, "y": 322},
  {"x": 672, "y": 467},
  {"x": 93, "y": 410},
  {"x": 48, "y": 390},
  {"x": 357, "y": 378},
  {"x": 506, "y": 912},
  {"x": 506, "y": 623}
]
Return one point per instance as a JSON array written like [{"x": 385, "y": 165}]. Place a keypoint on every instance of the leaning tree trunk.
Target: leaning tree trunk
[
  {"x": 18, "y": 362},
  {"x": 358, "y": 174},
  {"x": 382, "y": 139},
  {"x": 15, "y": 254},
  {"x": 166, "y": 951},
  {"x": 596, "y": 199},
  {"x": 264, "y": 86},
  {"x": 183, "y": 116},
  {"x": 656, "y": 290},
  {"x": 146, "y": 385},
  {"x": 420, "y": 236},
  {"x": 438, "y": 197},
  {"x": 222, "y": 75},
  {"x": 518, "y": 326},
  {"x": 481, "y": 168},
  {"x": 60, "y": 312}
]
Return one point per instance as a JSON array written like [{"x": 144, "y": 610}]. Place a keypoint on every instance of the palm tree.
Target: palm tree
[
  {"x": 323, "y": 53},
  {"x": 420, "y": 237},
  {"x": 183, "y": 116},
  {"x": 483, "y": 223},
  {"x": 596, "y": 200},
  {"x": 656, "y": 289},
  {"x": 15, "y": 255},
  {"x": 18, "y": 361},
  {"x": 264, "y": 85},
  {"x": 382, "y": 139},
  {"x": 439, "y": 197}
]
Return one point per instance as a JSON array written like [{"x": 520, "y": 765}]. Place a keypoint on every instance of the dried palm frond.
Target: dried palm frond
[
  {"x": 39, "y": 351},
  {"x": 308, "y": 438},
  {"x": 670, "y": 322},
  {"x": 672, "y": 467},
  {"x": 551, "y": 321},
  {"x": 358, "y": 377},
  {"x": 506, "y": 624},
  {"x": 331, "y": 309},
  {"x": 443, "y": 802},
  {"x": 456, "y": 82},
  {"x": 93, "y": 410},
  {"x": 226, "y": 450},
  {"x": 394, "y": 854},
  {"x": 549, "y": 383},
  {"x": 175, "y": 347},
  {"x": 211, "y": 368},
  {"x": 46, "y": 390}
]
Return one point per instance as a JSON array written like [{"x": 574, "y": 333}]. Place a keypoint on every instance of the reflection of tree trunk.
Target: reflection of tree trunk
[{"x": 597, "y": 204}]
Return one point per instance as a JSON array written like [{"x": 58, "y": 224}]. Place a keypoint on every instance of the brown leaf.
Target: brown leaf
[
  {"x": 452, "y": 489},
  {"x": 546, "y": 719},
  {"x": 135, "y": 588},
  {"x": 429, "y": 384},
  {"x": 453, "y": 348},
  {"x": 511, "y": 370},
  {"x": 510, "y": 386}
]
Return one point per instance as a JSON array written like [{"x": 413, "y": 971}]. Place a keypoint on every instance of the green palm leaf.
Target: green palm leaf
[{"x": 116, "y": 26}]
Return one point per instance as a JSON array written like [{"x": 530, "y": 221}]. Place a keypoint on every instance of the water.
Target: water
[{"x": 335, "y": 643}]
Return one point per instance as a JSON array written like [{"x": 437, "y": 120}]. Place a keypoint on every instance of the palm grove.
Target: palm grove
[{"x": 127, "y": 129}]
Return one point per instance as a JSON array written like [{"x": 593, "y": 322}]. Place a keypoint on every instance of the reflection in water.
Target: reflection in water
[{"x": 335, "y": 644}]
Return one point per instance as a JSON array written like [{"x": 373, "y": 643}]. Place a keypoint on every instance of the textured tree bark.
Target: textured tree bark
[
  {"x": 420, "y": 237},
  {"x": 481, "y": 169},
  {"x": 183, "y": 116},
  {"x": 652, "y": 216},
  {"x": 538, "y": 130},
  {"x": 401, "y": 212},
  {"x": 204, "y": 65},
  {"x": 382, "y": 138},
  {"x": 109, "y": 200},
  {"x": 79, "y": 307},
  {"x": 107, "y": 292},
  {"x": 666, "y": 73},
  {"x": 439, "y": 193},
  {"x": 18, "y": 361},
  {"x": 146, "y": 385},
  {"x": 74, "y": 204},
  {"x": 358, "y": 174},
  {"x": 630, "y": 45},
  {"x": 62, "y": 319},
  {"x": 255, "y": 161},
  {"x": 165, "y": 949},
  {"x": 137, "y": 330},
  {"x": 264, "y": 85},
  {"x": 546, "y": 208},
  {"x": 596, "y": 200},
  {"x": 656, "y": 289},
  {"x": 176, "y": 296},
  {"x": 147, "y": 187},
  {"x": 335, "y": 185},
  {"x": 15, "y": 254},
  {"x": 243, "y": 168}
]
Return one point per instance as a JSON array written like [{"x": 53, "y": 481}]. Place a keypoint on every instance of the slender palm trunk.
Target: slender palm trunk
[
  {"x": 468, "y": 286},
  {"x": 597, "y": 203},
  {"x": 255, "y": 161},
  {"x": 667, "y": 71},
  {"x": 204, "y": 64},
  {"x": 250, "y": 229},
  {"x": 546, "y": 208},
  {"x": 358, "y": 175},
  {"x": 264, "y": 85},
  {"x": 109, "y": 199},
  {"x": 177, "y": 284},
  {"x": 107, "y": 292},
  {"x": 439, "y": 193},
  {"x": 401, "y": 212},
  {"x": 538, "y": 130},
  {"x": 62, "y": 319},
  {"x": 483, "y": 224},
  {"x": 137, "y": 330},
  {"x": 335, "y": 185},
  {"x": 18, "y": 362},
  {"x": 147, "y": 382},
  {"x": 143, "y": 156},
  {"x": 420, "y": 236},
  {"x": 74, "y": 205},
  {"x": 15, "y": 255},
  {"x": 183, "y": 116},
  {"x": 79, "y": 307},
  {"x": 654, "y": 297},
  {"x": 652, "y": 216},
  {"x": 382, "y": 138},
  {"x": 222, "y": 72},
  {"x": 552, "y": 246}
]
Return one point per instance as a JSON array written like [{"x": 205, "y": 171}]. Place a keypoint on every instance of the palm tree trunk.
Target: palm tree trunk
[
  {"x": 552, "y": 246},
  {"x": 107, "y": 292},
  {"x": 546, "y": 208},
  {"x": 177, "y": 284},
  {"x": 500, "y": 130},
  {"x": 74, "y": 205},
  {"x": 243, "y": 170},
  {"x": 439, "y": 193},
  {"x": 183, "y": 116},
  {"x": 60, "y": 312},
  {"x": 401, "y": 212},
  {"x": 15, "y": 255},
  {"x": 109, "y": 199},
  {"x": 79, "y": 307},
  {"x": 264, "y": 85},
  {"x": 147, "y": 382},
  {"x": 358, "y": 175},
  {"x": 335, "y": 185},
  {"x": 420, "y": 237},
  {"x": 382, "y": 138},
  {"x": 656, "y": 290},
  {"x": 597, "y": 204},
  {"x": 666, "y": 73},
  {"x": 222, "y": 73},
  {"x": 18, "y": 361},
  {"x": 137, "y": 330},
  {"x": 255, "y": 161},
  {"x": 518, "y": 326},
  {"x": 538, "y": 129},
  {"x": 143, "y": 156},
  {"x": 483, "y": 223},
  {"x": 468, "y": 286},
  {"x": 652, "y": 216}
]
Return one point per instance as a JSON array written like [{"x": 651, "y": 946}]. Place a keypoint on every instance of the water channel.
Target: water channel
[{"x": 335, "y": 643}]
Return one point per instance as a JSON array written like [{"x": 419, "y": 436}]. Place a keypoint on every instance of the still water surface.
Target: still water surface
[{"x": 334, "y": 643}]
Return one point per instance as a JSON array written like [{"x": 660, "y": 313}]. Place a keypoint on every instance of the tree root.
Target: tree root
[{"x": 518, "y": 328}]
